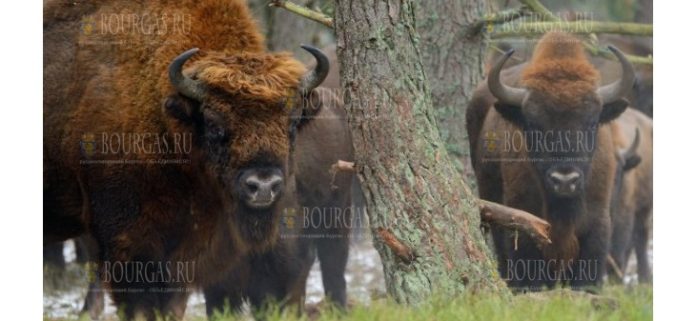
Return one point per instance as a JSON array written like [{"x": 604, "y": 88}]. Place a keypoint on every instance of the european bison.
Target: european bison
[
  {"x": 174, "y": 159},
  {"x": 544, "y": 147},
  {"x": 631, "y": 210},
  {"x": 321, "y": 223}
]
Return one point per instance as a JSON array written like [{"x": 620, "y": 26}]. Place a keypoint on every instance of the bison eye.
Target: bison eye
[
  {"x": 215, "y": 133},
  {"x": 215, "y": 130}
]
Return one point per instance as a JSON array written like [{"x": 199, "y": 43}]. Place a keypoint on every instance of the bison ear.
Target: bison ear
[
  {"x": 310, "y": 105},
  {"x": 631, "y": 162},
  {"x": 511, "y": 113},
  {"x": 180, "y": 107},
  {"x": 612, "y": 110}
]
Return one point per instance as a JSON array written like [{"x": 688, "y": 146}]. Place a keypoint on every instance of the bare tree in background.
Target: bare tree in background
[
  {"x": 285, "y": 32},
  {"x": 426, "y": 217}
]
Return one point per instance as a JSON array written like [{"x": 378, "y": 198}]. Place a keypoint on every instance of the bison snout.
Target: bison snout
[
  {"x": 565, "y": 183},
  {"x": 261, "y": 188}
]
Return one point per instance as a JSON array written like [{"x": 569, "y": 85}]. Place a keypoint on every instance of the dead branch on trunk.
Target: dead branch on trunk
[
  {"x": 343, "y": 166},
  {"x": 490, "y": 212},
  {"x": 340, "y": 166},
  {"x": 512, "y": 218},
  {"x": 303, "y": 11},
  {"x": 399, "y": 249}
]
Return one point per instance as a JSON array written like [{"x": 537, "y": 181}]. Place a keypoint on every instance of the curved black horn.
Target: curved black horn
[
  {"x": 621, "y": 87},
  {"x": 505, "y": 94},
  {"x": 184, "y": 85},
  {"x": 316, "y": 76}
]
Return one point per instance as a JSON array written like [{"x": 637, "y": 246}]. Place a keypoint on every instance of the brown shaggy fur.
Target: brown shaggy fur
[
  {"x": 559, "y": 68},
  {"x": 562, "y": 85},
  {"x": 281, "y": 273},
  {"x": 117, "y": 82}
]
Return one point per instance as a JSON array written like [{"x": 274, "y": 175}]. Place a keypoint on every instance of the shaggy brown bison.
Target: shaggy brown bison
[
  {"x": 540, "y": 143},
  {"x": 631, "y": 211},
  {"x": 322, "y": 222},
  {"x": 174, "y": 159}
]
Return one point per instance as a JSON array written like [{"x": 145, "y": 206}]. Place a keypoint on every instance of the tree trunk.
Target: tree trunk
[
  {"x": 453, "y": 57},
  {"x": 425, "y": 219}
]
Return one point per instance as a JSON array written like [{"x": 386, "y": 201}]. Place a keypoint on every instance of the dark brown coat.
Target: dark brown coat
[
  {"x": 561, "y": 96},
  {"x": 116, "y": 82},
  {"x": 317, "y": 231}
]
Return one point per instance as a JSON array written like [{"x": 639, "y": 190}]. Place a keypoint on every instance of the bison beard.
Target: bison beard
[
  {"x": 557, "y": 91},
  {"x": 231, "y": 96}
]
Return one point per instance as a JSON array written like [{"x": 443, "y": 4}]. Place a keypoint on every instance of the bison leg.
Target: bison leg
[
  {"x": 149, "y": 300},
  {"x": 622, "y": 228},
  {"x": 53, "y": 255},
  {"x": 525, "y": 268},
  {"x": 86, "y": 250},
  {"x": 590, "y": 266},
  {"x": 94, "y": 301},
  {"x": 219, "y": 299},
  {"x": 281, "y": 275},
  {"x": 641, "y": 235},
  {"x": 333, "y": 257}
]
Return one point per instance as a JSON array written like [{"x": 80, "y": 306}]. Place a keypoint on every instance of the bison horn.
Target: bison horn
[
  {"x": 618, "y": 89},
  {"x": 184, "y": 85},
  {"x": 316, "y": 76},
  {"x": 505, "y": 94}
]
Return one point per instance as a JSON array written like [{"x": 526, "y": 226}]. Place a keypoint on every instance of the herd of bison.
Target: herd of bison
[{"x": 184, "y": 161}]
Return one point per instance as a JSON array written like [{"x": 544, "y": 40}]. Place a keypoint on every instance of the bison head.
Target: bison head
[
  {"x": 558, "y": 110},
  {"x": 240, "y": 110}
]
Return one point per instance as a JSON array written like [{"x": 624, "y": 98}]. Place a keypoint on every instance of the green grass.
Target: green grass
[{"x": 613, "y": 303}]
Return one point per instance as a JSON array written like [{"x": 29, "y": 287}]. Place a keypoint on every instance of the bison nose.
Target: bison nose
[
  {"x": 565, "y": 183},
  {"x": 260, "y": 188}
]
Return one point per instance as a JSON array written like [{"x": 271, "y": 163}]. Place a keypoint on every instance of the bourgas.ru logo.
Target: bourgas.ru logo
[
  {"x": 537, "y": 141},
  {"x": 289, "y": 218},
  {"x": 123, "y": 144},
  {"x": 87, "y": 25},
  {"x": 145, "y": 24},
  {"x": 88, "y": 145}
]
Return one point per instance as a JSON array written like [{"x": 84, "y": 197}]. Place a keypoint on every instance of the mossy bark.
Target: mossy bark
[
  {"x": 453, "y": 52},
  {"x": 413, "y": 191}
]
